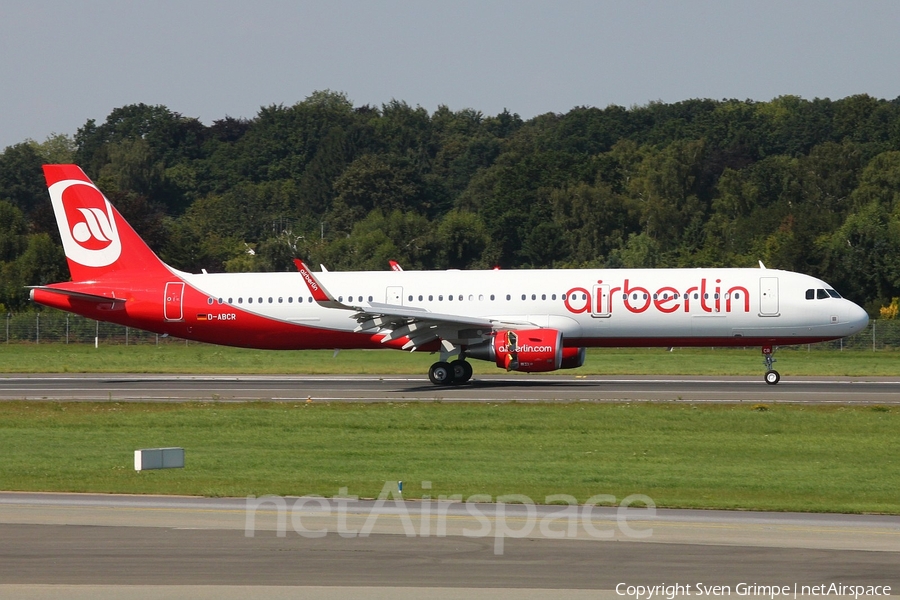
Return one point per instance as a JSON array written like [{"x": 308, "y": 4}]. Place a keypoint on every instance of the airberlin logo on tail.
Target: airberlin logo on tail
[
  {"x": 95, "y": 232},
  {"x": 86, "y": 223}
]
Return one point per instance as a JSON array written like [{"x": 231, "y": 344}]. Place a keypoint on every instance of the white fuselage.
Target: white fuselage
[{"x": 590, "y": 307}]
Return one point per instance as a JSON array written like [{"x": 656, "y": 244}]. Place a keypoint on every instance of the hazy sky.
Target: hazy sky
[{"x": 62, "y": 63}]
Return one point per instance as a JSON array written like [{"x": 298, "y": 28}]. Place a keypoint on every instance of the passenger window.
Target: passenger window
[
  {"x": 553, "y": 297},
  {"x": 523, "y": 296},
  {"x": 280, "y": 300},
  {"x": 270, "y": 299},
  {"x": 492, "y": 296},
  {"x": 810, "y": 294},
  {"x": 240, "y": 300},
  {"x": 821, "y": 294},
  {"x": 534, "y": 296},
  {"x": 563, "y": 296},
  {"x": 370, "y": 298},
  {"x": 290, "y": 299},
  {"x": 508, "y": 297},
  {"x": 249, "y": 300},
  {"x": 440, "y": 297},
  {"x": 460, "y": 298},
  {"x": 410, "y": 298},
  {"x": 471, "y": 297},
  {"x": 310, "y": 300},
  {"x": 450, "y": 298},
  {"x": 209, "y": 300},
  {"x": 430, "y": 297},
  {"x": 229, "y": 301},
  {"x": 480, "y": 297},
  {"x": 260, "y": 300}
]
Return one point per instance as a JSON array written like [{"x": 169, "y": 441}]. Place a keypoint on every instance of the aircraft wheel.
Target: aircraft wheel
[
  {"x": 772, "y": 377},
  {"x": 461, "y": 370},
  {"x": 440, "y": 373}
]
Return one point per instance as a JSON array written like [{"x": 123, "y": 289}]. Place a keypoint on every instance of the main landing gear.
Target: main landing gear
[
  {"x": 772, "y": 376},
  {"x": 450, "y": 373}
]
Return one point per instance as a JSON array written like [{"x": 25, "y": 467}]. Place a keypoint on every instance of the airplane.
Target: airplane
[{"x": 529, "y": 320}]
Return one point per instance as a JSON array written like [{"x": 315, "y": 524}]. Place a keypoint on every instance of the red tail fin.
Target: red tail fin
[{"x": 97, "y": 240}]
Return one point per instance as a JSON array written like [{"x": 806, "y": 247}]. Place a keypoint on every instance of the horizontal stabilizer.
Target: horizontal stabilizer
[{"x": 78, "y": 295}]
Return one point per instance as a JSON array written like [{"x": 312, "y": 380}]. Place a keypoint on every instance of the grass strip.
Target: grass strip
[
  {"x": 176, "y": 357},
  {"x": 835, "y": 459}
]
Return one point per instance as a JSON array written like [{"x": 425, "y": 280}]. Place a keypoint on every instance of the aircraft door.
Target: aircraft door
[
  {"x": 601, "y": 301},
  {"x": 173, "y": 307},
  {"x": 768, "y": 296},
  {"x": 394, "y": 295}
]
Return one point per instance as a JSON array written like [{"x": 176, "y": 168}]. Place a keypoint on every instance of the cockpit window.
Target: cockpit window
[
  {"x": 821, "y": 294},
  {"x": 833, "y": 294},
  {"x": 810, "y": 294}
]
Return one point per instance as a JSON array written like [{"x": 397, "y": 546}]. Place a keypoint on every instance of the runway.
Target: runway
[
  {"x": 96, "y": 546},
  {"x": 484, "y": 388},
  {"x": 330, "y": 548}
]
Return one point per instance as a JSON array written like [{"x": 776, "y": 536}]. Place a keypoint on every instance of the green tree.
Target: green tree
[
  {"x": 22, "y": 178},
  {"x": 57, "y": 149},
  {"x": 41, "y": 262},
  {"x": 376, "y": 182},
  {"x": 462, "y": 240},
  {"x": 863, "y": 256},
  {"x": 13, "y": 232}
]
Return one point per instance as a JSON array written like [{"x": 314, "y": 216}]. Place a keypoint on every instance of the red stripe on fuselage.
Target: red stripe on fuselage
[{"x": 143, "y": 309}]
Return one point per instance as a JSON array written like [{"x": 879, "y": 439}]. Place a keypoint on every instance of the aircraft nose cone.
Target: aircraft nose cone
[{"x": 857, "y": 318}]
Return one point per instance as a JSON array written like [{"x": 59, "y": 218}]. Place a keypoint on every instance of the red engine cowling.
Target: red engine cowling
[
  {"x": 572, "y": 358},
  {"x": 529, "y": 350}
]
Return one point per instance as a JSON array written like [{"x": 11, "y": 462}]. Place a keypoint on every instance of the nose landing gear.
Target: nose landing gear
[{"x": 772, "y": 376}]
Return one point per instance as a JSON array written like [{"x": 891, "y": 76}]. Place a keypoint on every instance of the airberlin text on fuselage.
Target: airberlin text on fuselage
[{"x": 667, "y": 299}]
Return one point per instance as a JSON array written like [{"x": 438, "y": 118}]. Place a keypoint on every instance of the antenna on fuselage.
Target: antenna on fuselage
[{"x": 761, "y": 265}]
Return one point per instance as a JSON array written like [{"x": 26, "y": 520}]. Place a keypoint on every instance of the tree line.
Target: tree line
[{"x": 805, "y": 185}]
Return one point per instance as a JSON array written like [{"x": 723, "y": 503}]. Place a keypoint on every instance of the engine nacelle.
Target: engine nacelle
[
  {"x": 528, "y": 350},
  {"x": 572, "y": 358}
]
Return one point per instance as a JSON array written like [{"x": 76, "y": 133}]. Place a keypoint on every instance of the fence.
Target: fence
[
  {"x": 50, "y": 327},
  {"x": 58, "y": 327}
]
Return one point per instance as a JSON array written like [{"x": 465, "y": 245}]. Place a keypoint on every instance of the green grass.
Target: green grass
[
  {"x": 176, "y": 357},
  {"x": 737, "y": 456}
]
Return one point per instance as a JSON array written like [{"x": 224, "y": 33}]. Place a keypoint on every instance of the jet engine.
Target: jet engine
[
  {"x": 528, "y": 350},
  {"x": 572, "y": 358}
]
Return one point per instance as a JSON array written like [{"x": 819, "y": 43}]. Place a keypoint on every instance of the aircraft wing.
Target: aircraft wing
[{"x": 419, "y": 325}]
